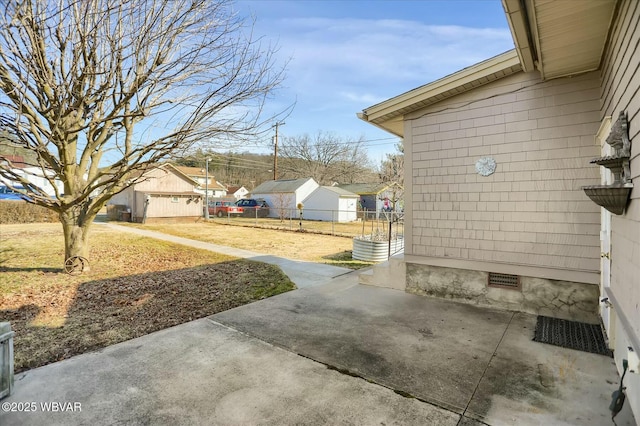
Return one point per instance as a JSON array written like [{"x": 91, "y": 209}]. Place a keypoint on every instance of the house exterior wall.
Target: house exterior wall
[
  {"x": 326, "y": 205},
  {"x": 619, "y": 93},
  {"x": 369, "y": 202},
  {"x": 240, "y": 193},
  {"x": 347, "y": 209},
  {"x": 320, "y": 205},
  {"x": 531, "y": 217},
  {"x": 36, "y": 177},
  {"x": 282, "y": 203},
  {"x": 305, "y": 190},
  {"x": 160, "y": 180},
  {"x": 287, "y": 200},
  {"x": 167, "y": 206},
  {"x": 213, "y": 192},
  {"x": 124, "y": 198},
  {"x": 541, "y": 296}
]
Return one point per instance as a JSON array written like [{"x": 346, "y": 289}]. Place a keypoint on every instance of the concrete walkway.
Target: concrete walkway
[
  {"x": 332, "y": 353},
  {"x": 303, "y": 274}
]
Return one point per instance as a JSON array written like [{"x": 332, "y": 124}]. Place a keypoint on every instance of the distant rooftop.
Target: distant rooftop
[
  {"x": 365, "y": 188},
  {"x": 276, "y": 186}
]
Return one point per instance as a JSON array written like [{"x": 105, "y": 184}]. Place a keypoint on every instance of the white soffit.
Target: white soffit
[{"x": 560, "y": 37}]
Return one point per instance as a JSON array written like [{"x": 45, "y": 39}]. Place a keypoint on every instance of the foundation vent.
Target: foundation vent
[{"x": 504, "y": 280}]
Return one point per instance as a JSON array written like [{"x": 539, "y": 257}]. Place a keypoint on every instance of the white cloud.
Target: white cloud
[
  {"x": 380, "y": 55},
  {"x": 361, "y": 98},
  {"x": 340, "y": 66}
]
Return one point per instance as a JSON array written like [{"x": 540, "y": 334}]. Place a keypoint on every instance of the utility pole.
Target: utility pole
[{"x": 275, "y": 150}]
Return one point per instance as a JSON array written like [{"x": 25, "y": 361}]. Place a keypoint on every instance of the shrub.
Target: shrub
[{"x": 15, "y": 211}]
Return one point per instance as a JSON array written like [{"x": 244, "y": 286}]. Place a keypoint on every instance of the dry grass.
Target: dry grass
[
  {"x": 136, "y": 286},
  {"x": 309, "y": 247},
  {"x": 343, "y": 229}
]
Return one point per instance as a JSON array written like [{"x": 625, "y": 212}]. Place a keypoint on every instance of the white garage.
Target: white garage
[
  {"x": 330, "y": 203},
  {"x": 283, "y": 196}
]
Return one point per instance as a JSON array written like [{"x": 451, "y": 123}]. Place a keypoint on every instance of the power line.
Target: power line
[
  {"x": 238, "y": 166},
  {"x": 349, "y": 142},
  {"x": 239, "y": 158}
]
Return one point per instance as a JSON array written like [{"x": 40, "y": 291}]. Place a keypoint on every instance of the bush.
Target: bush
[{"x": 15, "y": 211}]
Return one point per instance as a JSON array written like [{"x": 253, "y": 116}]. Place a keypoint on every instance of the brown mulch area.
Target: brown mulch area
[{"x": 101, "y": 313}]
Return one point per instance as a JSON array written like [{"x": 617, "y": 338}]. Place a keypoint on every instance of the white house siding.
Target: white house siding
[
  {"x": 620, "y": 82},
  {"x": 287, "y": 200},
  {"x": 347, "y": 209},
  {"x": 531, "y": 217},
  {"x": 327, "y": 205},
  {"x": 240, "y": 193},
  {"x": 36, "y": 177}
]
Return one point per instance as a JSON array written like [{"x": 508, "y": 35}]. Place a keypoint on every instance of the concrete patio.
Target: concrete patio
[
  {"x": 333, "y": 352},
  {"x": 338, "y": 353}
]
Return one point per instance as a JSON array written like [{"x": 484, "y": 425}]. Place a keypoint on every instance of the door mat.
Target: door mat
[{"x": 571, "y": 334}]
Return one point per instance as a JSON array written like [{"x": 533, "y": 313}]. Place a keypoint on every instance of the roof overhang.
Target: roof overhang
[
  {"x": 562, "y": 37},
  {"x": 388, "y": 115},
  {"x": 558, "y": 38}
]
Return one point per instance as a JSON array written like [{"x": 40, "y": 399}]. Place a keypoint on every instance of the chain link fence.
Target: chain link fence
[{"x": 379, "y": 225}]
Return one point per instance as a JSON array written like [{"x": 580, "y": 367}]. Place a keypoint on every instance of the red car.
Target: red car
[{"x": 223, "y": 208}]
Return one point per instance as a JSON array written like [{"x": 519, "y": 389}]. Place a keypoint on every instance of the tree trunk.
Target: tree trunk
[{"x": 75, "y": 225}]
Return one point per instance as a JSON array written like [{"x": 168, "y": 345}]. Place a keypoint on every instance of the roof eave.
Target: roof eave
[
  {"x": 388, "y": 115},
  {"x": 387, "y": 128},
  {"x": 519, "y": 24}
]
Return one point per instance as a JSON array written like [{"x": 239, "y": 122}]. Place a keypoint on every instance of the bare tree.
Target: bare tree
[
  {"x": 392, "y": 171},
  {"x": 325, "y": 157},
  {"x": 102, "y": 90},
  {"x": 282, "y": 204}
]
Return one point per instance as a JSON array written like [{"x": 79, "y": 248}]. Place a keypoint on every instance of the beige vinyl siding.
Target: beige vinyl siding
[
  {"x": 620, "y": 92},
  {"x": 162, "y": 206},
  {"x": 532, "y": 211},
  {"x": 160, "y": 180}
]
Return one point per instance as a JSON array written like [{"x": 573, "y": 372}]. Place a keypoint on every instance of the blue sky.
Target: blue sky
[{"x": 345, "y": 56}]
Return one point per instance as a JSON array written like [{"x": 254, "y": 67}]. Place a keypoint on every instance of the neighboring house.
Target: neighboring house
[
  {"x": 34, "y": 175},
  {"x": 376, "y": 197},
  {"x": 496, "y": 157},
  {"x": 237, "y": 192},
  {"x": 329, "y": 203},
  {"x": 16, "y": 161},
  {"x": 199, "y": 174},
  {"x": 163, "y": 194},
  {"x": 283, "y": 196}
]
